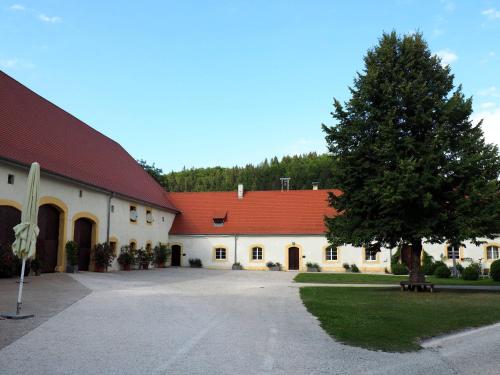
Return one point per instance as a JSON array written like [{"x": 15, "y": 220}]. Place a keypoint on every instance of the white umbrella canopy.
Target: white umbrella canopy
[{"x": 26, "y": 232}]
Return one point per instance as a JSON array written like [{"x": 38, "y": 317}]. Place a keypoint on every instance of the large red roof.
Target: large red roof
[
  {"x": 33, "y": 129},
  {"x": 258, "y": 212}
]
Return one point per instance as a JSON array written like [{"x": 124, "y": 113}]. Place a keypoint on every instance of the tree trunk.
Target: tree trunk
[{"x": 416, "y": 274}]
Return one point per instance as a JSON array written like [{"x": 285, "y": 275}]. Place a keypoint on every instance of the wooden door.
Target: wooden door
[
  {"x": 9, "y": 218},
  {"x": 176, "y": 255},
  {"x": 47, "y": 243},
  {"x": 293, "y": 258},
  {"x": 83, "y": 237}
]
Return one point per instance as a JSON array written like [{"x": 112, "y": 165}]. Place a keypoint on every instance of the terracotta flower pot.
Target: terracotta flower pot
[
  {"x": 161, "y": 265},
  {"x": 126, "y": 267},
  {"x": 100, "y": 269}
]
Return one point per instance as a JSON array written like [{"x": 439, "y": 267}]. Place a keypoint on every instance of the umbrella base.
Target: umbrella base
[{"x": 15, "y": 316}]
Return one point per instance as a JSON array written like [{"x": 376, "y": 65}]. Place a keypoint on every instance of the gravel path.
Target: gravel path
[{"x": 197, "y": 321}]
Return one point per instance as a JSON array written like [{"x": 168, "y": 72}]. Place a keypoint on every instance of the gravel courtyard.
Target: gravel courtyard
[{"x": 197, "y": 321}]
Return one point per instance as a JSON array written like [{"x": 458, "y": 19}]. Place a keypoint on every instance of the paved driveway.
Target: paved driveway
[{"x": 196, "y": 321}]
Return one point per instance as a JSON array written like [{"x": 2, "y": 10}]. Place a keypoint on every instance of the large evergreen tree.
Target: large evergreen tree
[{"x": 410, "y": 163}]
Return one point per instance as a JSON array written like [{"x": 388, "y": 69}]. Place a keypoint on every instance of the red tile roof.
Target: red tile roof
[
  {"x": 258, "y": 212},
  {"x": 33, "y": 129}
]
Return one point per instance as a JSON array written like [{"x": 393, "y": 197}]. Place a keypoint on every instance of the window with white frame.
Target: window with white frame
[
  {"x": 453, "y": 252},
  {"x": 220, "y": 253},
  {"x": 331, "y": 253},
  {"x": 492, "y": 252},
  {"x": 257, "y": 253}
]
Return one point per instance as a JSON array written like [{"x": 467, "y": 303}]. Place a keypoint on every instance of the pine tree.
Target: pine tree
[{"x": 410, "y": 163}]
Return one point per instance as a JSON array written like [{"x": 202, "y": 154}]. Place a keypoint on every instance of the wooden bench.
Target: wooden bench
[{"x": 407, "y": 285}]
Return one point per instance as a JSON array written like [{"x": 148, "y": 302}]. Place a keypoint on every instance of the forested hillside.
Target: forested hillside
[{"x": 302, "y": 169}]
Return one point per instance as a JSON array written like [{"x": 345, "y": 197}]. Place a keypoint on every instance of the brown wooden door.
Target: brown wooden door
[
  {"x": 83, "y": 237},
  {"x": 176, "y": 255},
  {"x": 47, "y": 243},
  {"x": 9, "y": 218},
  {"x": 293, "y": 258}
]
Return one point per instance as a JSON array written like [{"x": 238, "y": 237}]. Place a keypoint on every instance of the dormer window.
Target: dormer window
[{"x": 219, "y": 218}]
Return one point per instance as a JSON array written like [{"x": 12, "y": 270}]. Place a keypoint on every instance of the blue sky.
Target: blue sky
[{"x": 205, "y": 83}]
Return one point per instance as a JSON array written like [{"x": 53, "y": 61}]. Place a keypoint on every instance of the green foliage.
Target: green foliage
[
  {"x": 302, "y": 169},
  {"x": 127, "y": 256},
  {"x": 399, "y": 269},
  {"x": 407, "y": 157},
  {"x": 346, "y": 266},
  {"x": 313, "y": 265},
  {"x": 103, "y": 255},
  {"x": 72, "y": 252},
  {"x": 144, "y": 256},
  {"x": 471, "y": 272},
  {"x": 270, "y": 264},
  {"x": 36, "y": 265},
  {"x": 156, "y": 173},
  {"x": 161, "y": 253},
  {"x": 7, "y": 261},
  {"x": 495, "y": 270},
  {"x": 354, "y": 268},
  {"x": 195, "y": 262},
  {"x": 442, "y": 272}
]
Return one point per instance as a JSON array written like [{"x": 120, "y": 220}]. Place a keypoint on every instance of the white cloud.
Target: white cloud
[
  {"x": 45, "y": 18},
  {"x": 491, "y": 124},
  {"x": 491, "y": 13},
  {"x": 488, "y": 105},
  {"x": 16, "y": 63},
  {"x": 490, "y": 91},
  {"x": 17, "y": 7},
  {"x": 448, "y": 5},
  {"x": 447, "y": 56}
]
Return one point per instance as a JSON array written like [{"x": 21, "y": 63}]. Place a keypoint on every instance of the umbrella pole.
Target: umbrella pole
[{"x": 20, "y": 294}]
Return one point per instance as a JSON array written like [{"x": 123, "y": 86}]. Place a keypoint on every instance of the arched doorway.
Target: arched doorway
[
  {"x": 47, "y": 244},
  {"x": 176, "y": 256},
  {"x": 293, "y": 258},
  {"x": 83, "y": 237},
  {"x": 9, "y": 218}
]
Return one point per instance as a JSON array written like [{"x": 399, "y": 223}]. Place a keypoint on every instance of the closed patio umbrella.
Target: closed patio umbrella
[{"x": 26, "y": 232}]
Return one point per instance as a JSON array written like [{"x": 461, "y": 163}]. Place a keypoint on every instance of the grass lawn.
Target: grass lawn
[
  {"x": 361, "y": 278},
  {"x": 395, "y": 321}
]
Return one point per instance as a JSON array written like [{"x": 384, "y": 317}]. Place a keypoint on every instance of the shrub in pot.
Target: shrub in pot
[
  {"x": 471, "y": 272},
  {"x": 144, "y": 258},
  {"x": 273, "y": 266},
  {"x": 399, "y": 269},
  {"x": 495, "y": 270},
  {"x": 103, "y": 256},
  {"x": 442, "y": 272},
  {"x": 7, "y": 261},
  {"x": 313, "y": 267},
  {"x": 161, "y": 253},
  {"x": 347, "y": 267},
  {"x": 126, "y": 257},
  {"x": 72, "y": 251},
  {"x": 36, "y": 266},
  {"x": 354, "y": 268},
  {"x": 195, "y": 263},
  {"x": 237, "y": 266}
]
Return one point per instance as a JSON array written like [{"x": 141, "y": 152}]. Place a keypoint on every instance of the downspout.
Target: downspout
[
  {"x": 235, "y": 248},
  {"x": 109, "y": 217}
]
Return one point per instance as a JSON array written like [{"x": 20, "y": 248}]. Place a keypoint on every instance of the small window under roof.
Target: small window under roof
[{"x": 219, "y": 218}]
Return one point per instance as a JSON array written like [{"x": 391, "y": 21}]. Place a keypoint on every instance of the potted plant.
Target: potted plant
[
  {"x": 195, "y": 262},
  {"x": 144, "y": 258},
  {"x": 273, "y": 266},
  {"x": 126, "y": 258},
  {"x": 7, "y": 261},
  {"x": 313, "y": 267},
  {"x": 36, "y": 266},
  {"x": 72, "y": 256},
  {"x": 237, "y": 266},
  {"x": 161, "y": 253},
  {"x": 103, "y": 256},
  {"x": 347, "y": 267}
]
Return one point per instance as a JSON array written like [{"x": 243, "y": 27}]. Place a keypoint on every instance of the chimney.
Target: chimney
[
  {"x": 241, "y": 192},
  {"x": 315, "y": 185}
]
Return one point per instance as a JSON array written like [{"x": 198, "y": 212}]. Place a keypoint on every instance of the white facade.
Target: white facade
[
  {"x": 74, "y": 201},
  {"x": 311, "y": 249}
]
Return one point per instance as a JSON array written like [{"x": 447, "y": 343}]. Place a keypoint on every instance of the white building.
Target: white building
[{"x": 91, "y": 189}]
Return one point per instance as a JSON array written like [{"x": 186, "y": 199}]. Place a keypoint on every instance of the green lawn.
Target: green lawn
[
  {"x": 395, "y": 321},
  {"x": 361, "y": 278}
]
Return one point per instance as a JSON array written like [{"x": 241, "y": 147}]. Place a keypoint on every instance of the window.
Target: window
[
  {"x": 219, "y": 218},
  {"x": 149, "y": 216},
  {"x": 220, "y": 253},
  {"x": 112, "y": 208},
  {"x": 257, "y": 253},
  {"x": 371, "y": 253},
  {"x": 133, "y": 214},
  {"x": 133, "y": 245},
  {"x": 492, "y": 252},
  {"x": 453, "y": 252},
  {"x": 10, "y": 179},
  {"x": 148, "y": 246},
  {"x": 112, "y": 244},
  {"x": 80, "y": 193},
  {"x": 331, "y": 253}
]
